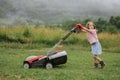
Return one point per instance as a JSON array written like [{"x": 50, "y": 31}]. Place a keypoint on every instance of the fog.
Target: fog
[{"x": 53, "y": 11}]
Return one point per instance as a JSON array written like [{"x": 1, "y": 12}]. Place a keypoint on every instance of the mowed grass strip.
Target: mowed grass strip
[{"x": 78, "y": 67}]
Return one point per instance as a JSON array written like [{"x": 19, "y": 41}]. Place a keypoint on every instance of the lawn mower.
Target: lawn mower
[{"x": 52, "y": 57}]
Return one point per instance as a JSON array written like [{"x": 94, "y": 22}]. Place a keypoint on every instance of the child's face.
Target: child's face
[{"x": 90, "y": 25}]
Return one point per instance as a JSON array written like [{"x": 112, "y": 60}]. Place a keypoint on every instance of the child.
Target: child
[{"x": 90, "y": 29}]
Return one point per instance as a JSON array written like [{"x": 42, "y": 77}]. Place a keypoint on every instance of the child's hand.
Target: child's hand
[{"x": 79, "y": 26}]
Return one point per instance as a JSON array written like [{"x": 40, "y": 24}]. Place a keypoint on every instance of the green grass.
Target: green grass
[
  {"x": 78, "y": 67},
  {"x": 17, "y": 43}
]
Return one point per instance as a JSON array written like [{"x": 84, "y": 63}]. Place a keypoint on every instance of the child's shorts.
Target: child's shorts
[{"x": 96, "y": 48}]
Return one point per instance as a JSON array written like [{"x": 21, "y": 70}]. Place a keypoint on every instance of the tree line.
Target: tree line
[{"x": 111, "y": 25}]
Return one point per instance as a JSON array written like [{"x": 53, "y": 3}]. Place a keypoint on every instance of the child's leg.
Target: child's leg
[
  {"x": 99, "y": 60},
  {"x": 95, "y": 62}
]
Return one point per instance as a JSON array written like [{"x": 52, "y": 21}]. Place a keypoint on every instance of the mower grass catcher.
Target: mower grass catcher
[{"x": 52, "y": 58}]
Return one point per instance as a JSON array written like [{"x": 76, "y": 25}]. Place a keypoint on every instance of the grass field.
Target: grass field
[
  {"x": 78, "y": 67},
  {"x": 17, "y": 43}
]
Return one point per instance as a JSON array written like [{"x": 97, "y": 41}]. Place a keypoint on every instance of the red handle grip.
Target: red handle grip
[{"x": 79, "y": 26}]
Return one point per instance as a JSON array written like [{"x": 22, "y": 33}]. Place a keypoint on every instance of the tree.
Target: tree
[
  {"x": 101, "y": 24},
  {"x": 70, "y": 24},
  {"x": 111, "y": 29},
  {"x": 115, "y": 20}
]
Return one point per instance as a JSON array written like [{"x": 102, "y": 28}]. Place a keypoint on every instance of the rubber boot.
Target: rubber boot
[{"x": 102, "y": 64}]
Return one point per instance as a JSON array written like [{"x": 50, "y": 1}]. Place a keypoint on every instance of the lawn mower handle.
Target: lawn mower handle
[{"x": 50, "y": 52}]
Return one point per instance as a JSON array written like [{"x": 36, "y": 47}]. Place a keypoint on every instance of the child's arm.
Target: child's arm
[
  {"x": 82, "y": 28},
  {"x": 85, "y": 29}
]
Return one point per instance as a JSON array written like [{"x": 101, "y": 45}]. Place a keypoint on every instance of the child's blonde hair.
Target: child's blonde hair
[{"x": 87, "y": 25}]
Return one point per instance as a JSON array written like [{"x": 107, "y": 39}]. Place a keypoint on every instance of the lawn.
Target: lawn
[{"x": 78, "y": 67}]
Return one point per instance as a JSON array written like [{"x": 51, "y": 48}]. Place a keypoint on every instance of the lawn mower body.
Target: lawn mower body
[{"x": 56, "y": 58}]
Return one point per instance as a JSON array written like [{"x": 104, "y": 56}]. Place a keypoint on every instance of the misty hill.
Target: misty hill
[{"x": 56, "y": 11}]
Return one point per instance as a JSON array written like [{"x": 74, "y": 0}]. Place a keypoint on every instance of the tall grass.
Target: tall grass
[
  {"x": 33, "y": 37},
  {"x": 110, "y": 42}
]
